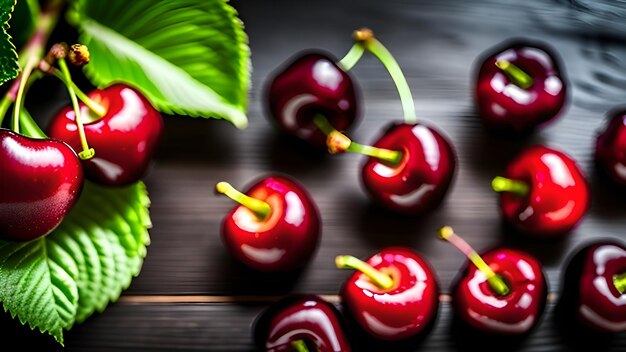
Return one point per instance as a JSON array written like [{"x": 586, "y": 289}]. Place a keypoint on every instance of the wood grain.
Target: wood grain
[{"x": 436, "y": 43}]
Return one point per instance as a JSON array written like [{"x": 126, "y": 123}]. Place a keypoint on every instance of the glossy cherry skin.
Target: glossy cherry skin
[
  {"x": 421, "y": 179},
  {"x": 588, "y": 290},
  {"x": 309, "y": 85},
  {"x": 286, "y": 239},
  {"x": 558, "y": 197},
  {"x": 40, "y": 182},
  {"x": 611, "y": 148},
  {"x": 504, "y": 106},
  {"x": 477, "y": 304},
  {"x": 404, "y": 310},
  {"x": 301, "y": 317},
  {"x": 124, "y": 139}
]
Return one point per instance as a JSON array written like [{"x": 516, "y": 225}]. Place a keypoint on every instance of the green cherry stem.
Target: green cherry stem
[
  {"x": 19, "y": 100},
  {"x": 90, "y": 103},
  {"x": 503, "y": 184},
  {"x": 257, "y": 206},
  {"x": 352, "y": 57},
  {"x": 515, "y": 74},
  {"x": 338, "y": 142},
  {"x": 86, "y": 153},
  {"x": 495, "y": 282},
  {"x": 619, "y": 280},
  {"x": 299, "y": 346},
  {"x": 384, "y": 56},
  {"x": 379, "y": 278}
]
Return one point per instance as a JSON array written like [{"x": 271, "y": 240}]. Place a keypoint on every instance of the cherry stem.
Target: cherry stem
[
  {"x": 366, "y": 38},
  {"x": 257, "y": 206},
  {"x": 503, "y": 184},
  {"x": 495, "y": 282},
  {"x": 90, "y": 103},
  {"x": 352, "y": 57},
  {"x": 338, "y": 142},
  {"x": 382, "y": 280},
  {"x": 619, "y": 280},
  {"x": 300, "y": 346},
  {"x": 86, "y": 153},
  {"x": 19, "y": 99},
  {"x": 515, "y": 74}
]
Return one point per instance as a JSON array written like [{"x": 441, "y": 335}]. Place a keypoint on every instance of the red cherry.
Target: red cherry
[
  {"x": 276, "y": 227},
  {"x": 312, "y": 84},
  {"x": 544, "y": 193},
  {"x": 594, "y": 287},
  {"x": 124, "y": 139},
  {"x": 40, "y": 182},
  {"x": 420, "y": 180},
  {"x": 611, "y": 148},
  {"x": 395, "y": 295},
  {"x": 503, "y": 292},
  {"x": 301, "y": 320},
  {"x": 520, "y": 87}
]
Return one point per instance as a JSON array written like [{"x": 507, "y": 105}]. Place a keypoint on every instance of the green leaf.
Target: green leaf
[
  {"x": 8, "y": 56},
  {"x": 189, "y": 57},
  {"x": 56, "y": 281},
  {"x": 23, "y": 20}
]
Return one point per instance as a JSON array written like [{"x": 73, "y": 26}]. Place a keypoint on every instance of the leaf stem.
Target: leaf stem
[
  {"x": 495, "y": 282},
  {"x": 19, "y": 100},
  {"x": 87, "y": 153}
]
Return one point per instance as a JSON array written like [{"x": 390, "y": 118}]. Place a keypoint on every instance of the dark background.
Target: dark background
[{"x": 192, "y": 296}]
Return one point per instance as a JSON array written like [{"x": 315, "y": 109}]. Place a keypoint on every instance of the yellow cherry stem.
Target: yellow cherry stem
[
  {"x": 619, "y": 280},
  {"x": 495, "y": 282},
  {"x": 382, "y": 280},
  {"x": 515, "y": 74},
  {"x": 338, "y": 142},
  {"x": 259, "y": 207},
  {"x": 300, "y": 346},
  {"x": 503, "y": 184}
]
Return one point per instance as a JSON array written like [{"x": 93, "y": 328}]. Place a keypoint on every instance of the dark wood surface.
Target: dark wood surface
[{"x": 192, "y": 296}]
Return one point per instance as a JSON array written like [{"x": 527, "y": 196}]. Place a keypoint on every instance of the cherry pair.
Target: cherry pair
[{"x": 43, "y": 177}]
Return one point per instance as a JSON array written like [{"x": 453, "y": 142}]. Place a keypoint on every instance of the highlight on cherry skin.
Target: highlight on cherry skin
[
  {"x": 501, "y": 291},
  {"x": 520, "y": 86},
  {"x": 41, "y": 180},
  {"x": 275, "y": 226},
  {"x": 393, "y": 295},
  {"x": 301, "y": 323},
  {"x": 543, "y": 192},
  {"x": 124, "y": 134},
  {"x": 594, "y": 287}
]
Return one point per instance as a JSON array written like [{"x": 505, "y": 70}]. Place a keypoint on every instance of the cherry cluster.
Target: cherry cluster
[
  {"x": 108, "y": 138},
  {"x": 394, "y": 295}
]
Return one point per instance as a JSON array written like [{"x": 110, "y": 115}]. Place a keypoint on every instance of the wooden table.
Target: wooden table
[{"x": 192, "y": 296}]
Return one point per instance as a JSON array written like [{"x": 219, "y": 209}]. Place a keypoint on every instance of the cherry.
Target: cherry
[
  {"x": 503, "y": 292},
  {"x": 411, "y": 166},
  {"x": 312, "y": 84},
  {"x": 519, "y": 87},
  {"x": 594, "y": 287},
  {"x": 392, "y": 296},
  {"x": 276, "y": 227},
  {"x": 301, "y": 323},
  {"x": 544, "y": 193},
  {"x": 40, "y": 182},
  {"x": 124, "y": 137},
  {"x": 611, "y": 147}
]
